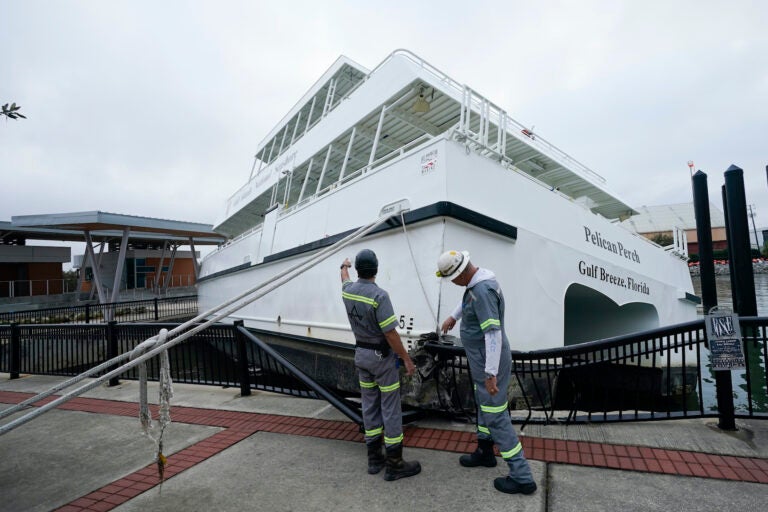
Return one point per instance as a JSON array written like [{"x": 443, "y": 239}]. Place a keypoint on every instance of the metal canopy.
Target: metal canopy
[
  {"x": 103, "y": 226},
  {"x": 10, "y": 232},
  {"x": 82, "y": 226}
]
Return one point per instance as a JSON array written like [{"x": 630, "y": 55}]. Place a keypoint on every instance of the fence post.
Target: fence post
[
  {"x": 157, "y": 315},
  {"x": 242, "y": 359},
  {"x": 87, "y": 313},
  {"x": 112, "y": 349},
  {"x": 15, "y": 351}
]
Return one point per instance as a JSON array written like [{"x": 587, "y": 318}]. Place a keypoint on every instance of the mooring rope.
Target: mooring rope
[
  {"x": 165, "y": 392},
  {"x": 418, "y": 274},
  {"x": 179, "y": 334}
]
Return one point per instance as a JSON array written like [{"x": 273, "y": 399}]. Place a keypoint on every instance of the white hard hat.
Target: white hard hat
[{"x": 451, "y": 264}]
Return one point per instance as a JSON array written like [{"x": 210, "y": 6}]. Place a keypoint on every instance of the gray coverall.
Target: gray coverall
[
  {"x": 483, "y": 310},
  {"x": 370, "y": 316}
]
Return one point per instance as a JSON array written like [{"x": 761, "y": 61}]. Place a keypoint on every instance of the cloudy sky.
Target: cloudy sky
[{"x": 156, "y": 108}]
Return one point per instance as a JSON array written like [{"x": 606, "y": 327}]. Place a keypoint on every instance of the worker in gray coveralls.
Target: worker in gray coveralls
[
  {"x": 378, "y": 344},
  {"x": 481, "y": 311}
]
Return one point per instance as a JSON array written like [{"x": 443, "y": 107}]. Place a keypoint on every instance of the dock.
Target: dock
[{"x": 277, "y": 453}]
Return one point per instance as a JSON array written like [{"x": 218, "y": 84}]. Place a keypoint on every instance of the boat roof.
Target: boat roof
[{"x": 349, "y": 92}]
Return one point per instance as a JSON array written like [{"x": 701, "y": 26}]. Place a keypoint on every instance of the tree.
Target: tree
[{"x": 12, "y": 112}]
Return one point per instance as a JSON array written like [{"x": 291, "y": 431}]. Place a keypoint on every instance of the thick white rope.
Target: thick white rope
[
  {"x": 418, "y": 275},
  {"x": 165, "y": 392},
  {"x": 63, "y": 385},
  {"x": 270, "y": 285}
]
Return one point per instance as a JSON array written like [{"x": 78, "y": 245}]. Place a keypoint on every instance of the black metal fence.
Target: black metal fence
[
  {"x": 210, "y": 357},
  {"x": 659, "y": 374},
  {"x": 129, "y": 311}
]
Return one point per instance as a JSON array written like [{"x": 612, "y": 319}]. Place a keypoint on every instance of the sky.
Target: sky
[{"x": 156, "y": 108}]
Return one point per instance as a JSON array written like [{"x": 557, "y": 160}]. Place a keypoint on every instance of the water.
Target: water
[
  {"x": 740, "y": 392},
  {"x": 724, "y": 298}
]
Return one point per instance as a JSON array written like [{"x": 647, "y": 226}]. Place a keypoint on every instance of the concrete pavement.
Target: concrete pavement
[{"x": 271, "y": 452}]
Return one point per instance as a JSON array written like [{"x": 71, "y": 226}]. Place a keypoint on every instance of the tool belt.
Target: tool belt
[{"x": 381, "y": 347}]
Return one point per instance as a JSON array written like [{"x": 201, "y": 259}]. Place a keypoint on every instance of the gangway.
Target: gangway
[{"x": 294, "y": 381}]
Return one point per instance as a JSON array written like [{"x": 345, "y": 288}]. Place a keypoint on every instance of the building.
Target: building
[
  {"x": 29, "y": 270},
  {"x": 652, "y": 221},
  {"x": 123, "y": 252},
  {"x": 146, "y": 267}
]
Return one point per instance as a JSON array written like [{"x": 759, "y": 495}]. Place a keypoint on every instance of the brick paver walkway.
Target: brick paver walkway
[{"x": 240, "y": 425}]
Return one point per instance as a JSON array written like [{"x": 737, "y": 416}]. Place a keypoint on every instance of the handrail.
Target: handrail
[
  {"x": 611, "y": 342},
  {"x": 656, "y": 374},
  {"x": 90, "y": 311},
  {"x": 494, "y": 110}
]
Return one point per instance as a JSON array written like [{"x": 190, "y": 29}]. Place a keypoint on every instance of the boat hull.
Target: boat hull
[{"x": 568, "y": 275}]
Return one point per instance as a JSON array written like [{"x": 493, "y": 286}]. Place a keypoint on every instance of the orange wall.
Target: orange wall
[
  {"x": 36, "y": 276},
  {"x": 181, "y": 267}
]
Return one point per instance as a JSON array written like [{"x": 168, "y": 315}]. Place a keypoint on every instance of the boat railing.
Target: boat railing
[
  {"x": 493, "y": 113},
  {"x": 393, "y": 155},
  {"x": 245, "y": 234}
]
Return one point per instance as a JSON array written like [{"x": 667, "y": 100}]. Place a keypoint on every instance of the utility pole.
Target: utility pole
[{"x": 754, "y": 229}]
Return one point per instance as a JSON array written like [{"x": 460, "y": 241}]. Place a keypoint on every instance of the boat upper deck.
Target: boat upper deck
[{"x": 352, "y": 120}]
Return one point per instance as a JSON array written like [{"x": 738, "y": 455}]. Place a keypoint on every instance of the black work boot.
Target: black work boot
[
  {"x": 509, "y": 486},
  {"x": 376, "y": 458},
  {"x": 483, "y": 456},
  {"x": 398, "y": 468}
]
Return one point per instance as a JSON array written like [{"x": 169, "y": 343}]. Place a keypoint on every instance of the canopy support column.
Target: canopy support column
[
  {"x": 195, "y": 263},
  {"x": 159, "y": 269},
  {"x": 120, "y": 264},
  {"x": 97, "y": 264},
  {"x": 169, "y": 274},
  {"x": 91, "y": 255}
]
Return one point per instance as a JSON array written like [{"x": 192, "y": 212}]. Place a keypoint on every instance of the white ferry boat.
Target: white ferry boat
[{"x": 471, "y": 178}]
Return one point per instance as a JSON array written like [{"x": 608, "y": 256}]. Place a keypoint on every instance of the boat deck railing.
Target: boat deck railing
[{"x": 473, "y": 101}]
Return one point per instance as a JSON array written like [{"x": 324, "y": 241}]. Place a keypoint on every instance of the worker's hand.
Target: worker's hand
[
  {"x": 448, "y": 324},
  {"x": 409, "y": 366},
  {"x": 490, "y": 385}
]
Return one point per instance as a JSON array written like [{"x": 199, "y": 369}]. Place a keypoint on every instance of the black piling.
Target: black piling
[
  {"x": 704, "y": 235},
  {"x": 729, "y": 241},
  {"x": 723, "y": 381},
  {"x": 738, "y": 235}
]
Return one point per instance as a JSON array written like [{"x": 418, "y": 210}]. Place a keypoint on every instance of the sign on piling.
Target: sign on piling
[{"x": 724, "y": 335}]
